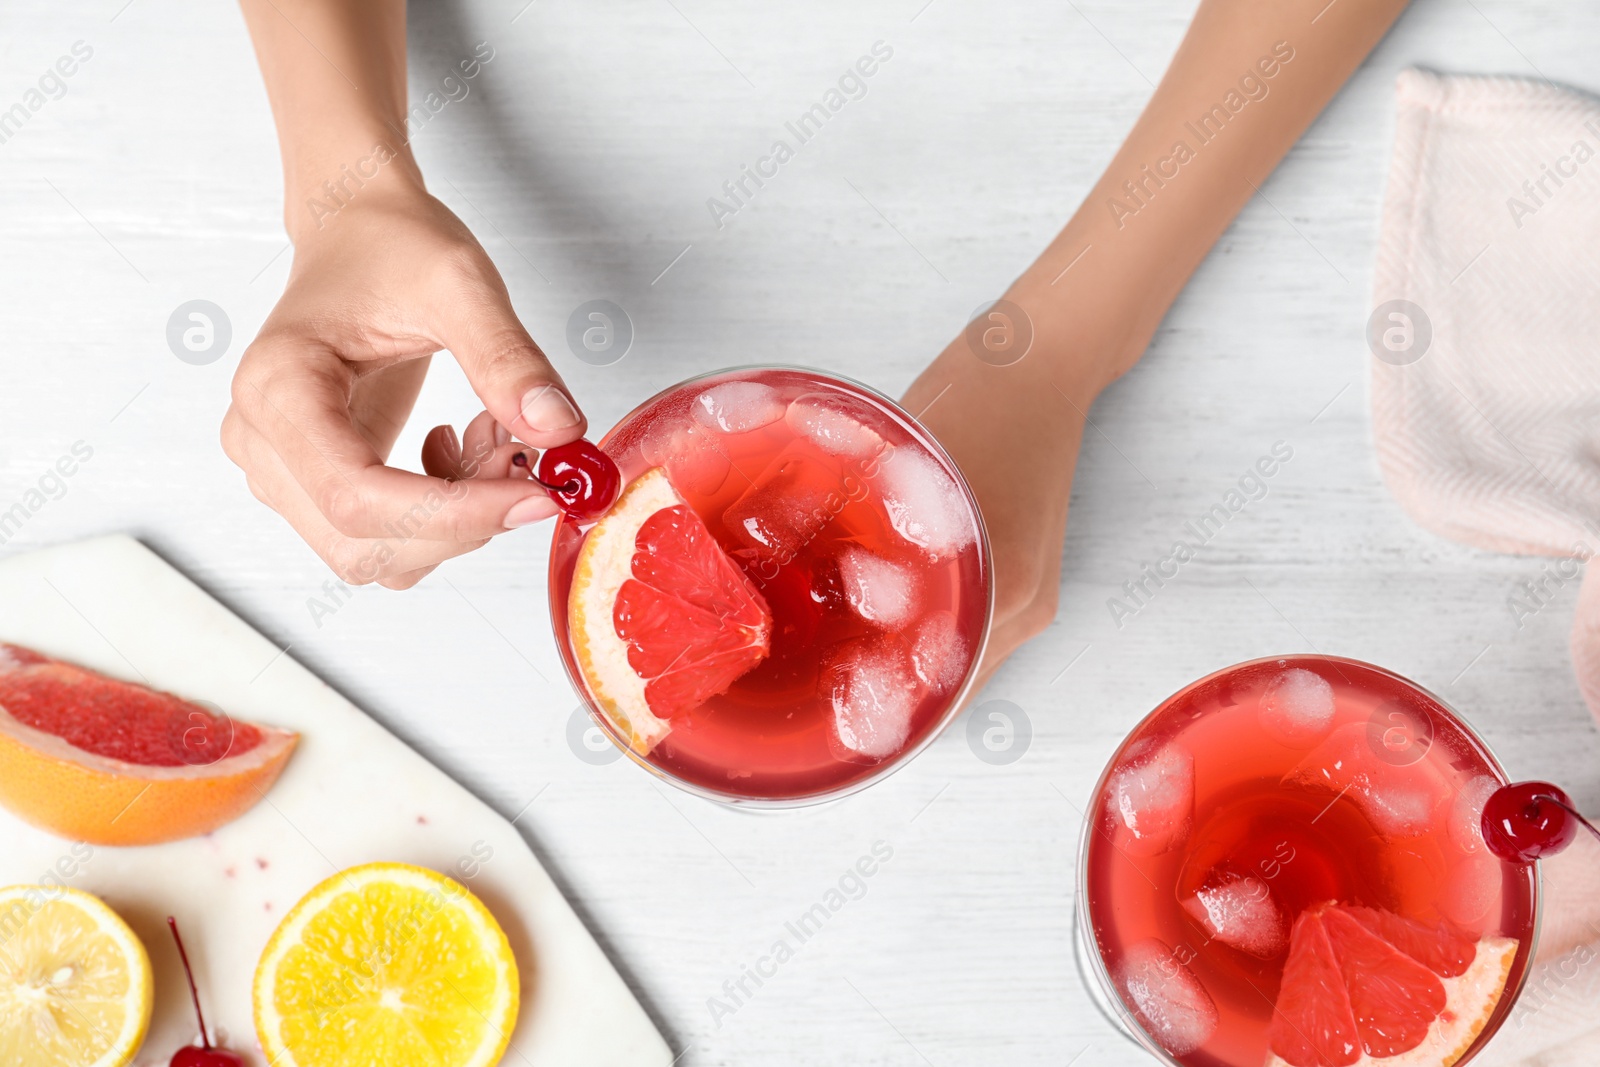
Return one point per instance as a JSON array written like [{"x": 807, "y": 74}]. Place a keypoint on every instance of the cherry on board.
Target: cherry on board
[
  {"x": 582, "y": 480},
  {"x": 1526, "y": 821},
  {"x": 202, "y": 1055}
]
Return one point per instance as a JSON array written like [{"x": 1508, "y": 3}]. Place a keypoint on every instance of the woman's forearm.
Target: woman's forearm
[
  {"x": 1246, "y": 82},
  {"x": 1248, "y": 79},
  {"x": 335, "y": 72}
]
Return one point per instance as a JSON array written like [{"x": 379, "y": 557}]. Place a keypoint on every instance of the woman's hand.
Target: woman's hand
[
  {"x": 1014, "y": 431},
  {"x": 384, "y": 276},
  {"x": 321, "y": 395}
]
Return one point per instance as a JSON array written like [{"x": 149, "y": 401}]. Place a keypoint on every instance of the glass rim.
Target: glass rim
[
  {"x": 1090, "y": 960},
  {"x": 958, "y": 696}
]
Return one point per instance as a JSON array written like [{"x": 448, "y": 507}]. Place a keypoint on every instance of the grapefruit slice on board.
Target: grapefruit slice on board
[
  {"x": 109, "y": 762},
  {"x": 661, "y": 619},
  {"x": 1370, "y": 988}
]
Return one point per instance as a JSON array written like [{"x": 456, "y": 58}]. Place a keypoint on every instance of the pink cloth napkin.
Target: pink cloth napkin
[
  {"x": 1486, "y": 412},
  {"x": 1486, "y": 407}
]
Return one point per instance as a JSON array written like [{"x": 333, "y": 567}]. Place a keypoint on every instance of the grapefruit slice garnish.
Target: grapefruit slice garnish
[
  {"x": 661, "y": 619},
  {"x": 1370, "y": 988},
  {"x": 109, "y": 762}
]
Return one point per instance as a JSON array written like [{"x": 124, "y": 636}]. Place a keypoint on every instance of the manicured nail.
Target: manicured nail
[
  {"x": 546, "y": 408},
  {"x": 452, "y": 443},
  {"x": 529, "y": 511},
  {"x": 502, "y": 436}
]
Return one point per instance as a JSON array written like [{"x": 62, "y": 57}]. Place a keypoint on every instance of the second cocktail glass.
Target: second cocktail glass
[{"x": 1285, "y": 864}]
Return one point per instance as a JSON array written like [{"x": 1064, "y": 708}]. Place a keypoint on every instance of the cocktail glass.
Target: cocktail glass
[
  {"x": 865, "y": 542},
  {"x": 1264, "y": 793}
]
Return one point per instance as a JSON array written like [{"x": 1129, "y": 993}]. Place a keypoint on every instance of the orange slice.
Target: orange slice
[
  {"x": 387, "y": 964},
  {"x": 95, "y": 759},
  {"x": 1370, "y": 988},
  {"x": 661, "y": 619}
]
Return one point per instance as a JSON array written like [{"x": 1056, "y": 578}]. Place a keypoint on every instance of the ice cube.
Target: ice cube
[
  {"x": 1151, "y": 801},
  {"x": 1470, "y": 896},
  {"x": 738, "y": 407},
  {"x": 924, "y": 504},
  {"x": 836, "y": 424},
  {"x": 873, "y": 691},
  {"x": 939, "y": 652},
  {"x": 1466, "y": 813},
  {"x": 1297, "y": 708},
  {"x": 1166, "y": 997},
  {"x": 1239, "y": 910},
  {"x": 1395, "y": 809},
  {"x": 694, "y": 462},
  {"x": 1399, "y": 800},
  {"x": 826, "y": 588},
  {"x": 788, "y": 505},
  {"x": 880, "y": 590}
]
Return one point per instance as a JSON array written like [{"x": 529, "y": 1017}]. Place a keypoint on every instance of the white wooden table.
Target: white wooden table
[{"x": 583, "y": 158}]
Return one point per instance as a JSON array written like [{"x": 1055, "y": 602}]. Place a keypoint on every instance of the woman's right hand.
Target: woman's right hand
[{"x": 322, "y": 393}]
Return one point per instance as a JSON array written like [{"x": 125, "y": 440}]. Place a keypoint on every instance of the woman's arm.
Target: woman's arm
[
  {"x": 384, "y": 275},
  {"x": 1246, "y": 82},
  {"x": 336, "y": 76}
]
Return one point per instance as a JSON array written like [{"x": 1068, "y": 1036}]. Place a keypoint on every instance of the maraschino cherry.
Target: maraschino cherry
[
  {"x": 582, "y": 480},
  {"x": 1527, "y": 821},
  {"x": 202, "y": 1055}
]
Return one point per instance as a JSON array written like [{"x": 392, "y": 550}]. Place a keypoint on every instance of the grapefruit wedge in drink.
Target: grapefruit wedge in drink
[
  {"x": 662, "y": 620},
  {"x": 1368, "y": 987}
]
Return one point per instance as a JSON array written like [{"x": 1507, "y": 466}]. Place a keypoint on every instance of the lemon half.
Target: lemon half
[{"x": 74, "y": 981}]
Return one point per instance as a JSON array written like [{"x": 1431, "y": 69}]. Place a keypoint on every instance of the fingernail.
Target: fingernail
[
  {"x": 529, "y": 511},
  {"x": 547, "y": 408},
  {"x": 502, "y": 436},
  {"x": 452, "y": 443}
]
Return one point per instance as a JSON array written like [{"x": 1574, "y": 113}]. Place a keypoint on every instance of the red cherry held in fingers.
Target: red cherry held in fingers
[
  {"x": 581, "y": 479},
  {"x": 1530, "y": 820},
  {"x": 202, "y": 1055}
]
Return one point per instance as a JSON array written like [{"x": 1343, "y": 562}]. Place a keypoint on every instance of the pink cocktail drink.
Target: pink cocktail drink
[
  {"x": 848, "y": 578},
  {"x": 1285, "y": 864}
]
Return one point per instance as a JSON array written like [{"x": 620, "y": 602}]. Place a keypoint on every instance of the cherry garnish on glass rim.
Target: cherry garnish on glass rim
[
  {"x": 203, "y": 1055},
  {"x": 581, "y": 479},
  {"x": 1526, "y": 821}
]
